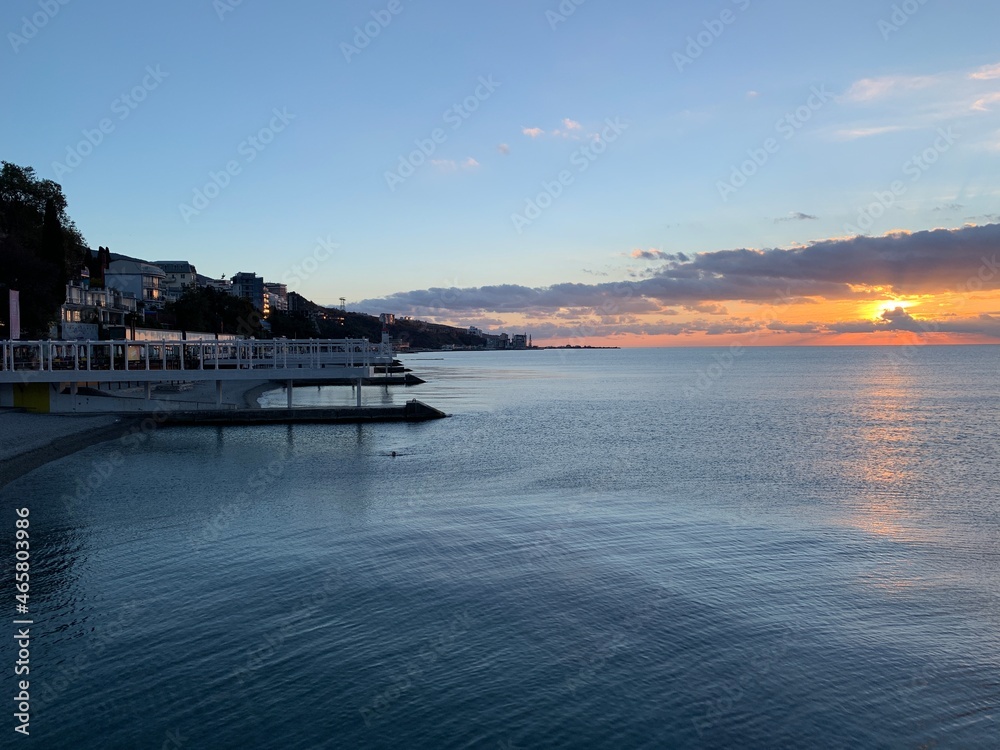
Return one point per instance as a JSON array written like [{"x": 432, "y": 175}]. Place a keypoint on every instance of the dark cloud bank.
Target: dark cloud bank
[{"x": 927, "y": 262}]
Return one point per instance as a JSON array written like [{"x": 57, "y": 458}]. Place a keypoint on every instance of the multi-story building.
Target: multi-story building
[
  {"x": 91, "y": 313},
  {"x": 181, "y": 275},
  {"x": 142, "y": 280},
  {"x": 299, "y": 304},
  {"x": 221, "y": 284},
  {"x": 250, "y": 286},
  {"x": 277, "y": 296}
]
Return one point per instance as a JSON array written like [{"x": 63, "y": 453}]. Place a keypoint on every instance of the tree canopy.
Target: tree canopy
[
  {"x": 40, "y": 247},
  {"x": 211, "y": 310}
]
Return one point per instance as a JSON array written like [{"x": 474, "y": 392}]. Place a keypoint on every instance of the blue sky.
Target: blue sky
[{"x": 866, "y": 95}]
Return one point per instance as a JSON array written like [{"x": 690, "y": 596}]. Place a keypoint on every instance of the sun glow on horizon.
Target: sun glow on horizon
[{"x": 875, "y": 310}]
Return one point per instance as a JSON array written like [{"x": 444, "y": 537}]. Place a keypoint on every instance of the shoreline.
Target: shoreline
[
  {"x": 60, "y": 446},
  {"x": 44, "y": 438}
]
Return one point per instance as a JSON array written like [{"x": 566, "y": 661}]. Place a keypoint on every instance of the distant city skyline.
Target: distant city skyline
[{"x": 635, "y": 174}]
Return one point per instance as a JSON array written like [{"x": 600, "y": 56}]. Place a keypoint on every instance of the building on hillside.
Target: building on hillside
[
  {"x": 223, "y": 285},
  {"x": 93, "y": 314},
  {"x": 298, "y": 304},
  {"x": 181, "y": 275},
  {"x": 250, "y": 286},
  {"x": 144, "y": 281},
  {"x": 277, "y": 296}
]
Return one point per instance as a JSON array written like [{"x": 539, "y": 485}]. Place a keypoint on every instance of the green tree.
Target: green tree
[
  {"x": 40, "y": 247},
  {"x": 292, "y": 325},
  {"x": 210, "y": 310}
]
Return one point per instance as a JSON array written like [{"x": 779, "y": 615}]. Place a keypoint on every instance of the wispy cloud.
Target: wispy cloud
[
  {"x": 881, "y": 105},
  {"x": 986, "y": 73},
  {"x": 570, "y": 129},
  {"x": 983, "y": 104},
  {"x": 852, "y": 134},
  {"x": 654, "y": 254},
  {"x": 873, "y": 89},
  {"x": 796, "y": 216},
  {"x": 450, "y": 165},
  {"x": 504, "y": 149},
  {"x": 707, "y": 309}
]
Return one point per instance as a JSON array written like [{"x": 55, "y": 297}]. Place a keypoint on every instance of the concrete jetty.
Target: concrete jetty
[{"x": 411, "y": 411}]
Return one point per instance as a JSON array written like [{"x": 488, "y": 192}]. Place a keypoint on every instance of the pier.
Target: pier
[
  {"x": 411, "y": 411},
  {"x": 34, "y": 374}
]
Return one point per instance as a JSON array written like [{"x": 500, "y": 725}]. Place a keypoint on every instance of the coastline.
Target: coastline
[
  {"x": 53, "y": 437},
  {"x": 38, "y": 439}
]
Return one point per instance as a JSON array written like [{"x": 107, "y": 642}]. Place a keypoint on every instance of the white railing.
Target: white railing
[{"x": 142, "y": 356}]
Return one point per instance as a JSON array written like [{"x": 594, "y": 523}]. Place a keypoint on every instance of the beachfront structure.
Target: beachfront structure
[
  {"x": 250, "y": 286},
  {"x": 144, "y": 281},
  {"x": 88, "y": 313},
  {"x": 180, "y": 276},
  {"x": 46, "y": 376}
]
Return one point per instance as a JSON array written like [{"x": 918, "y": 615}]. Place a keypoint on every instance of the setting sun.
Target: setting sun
[{"x": 875, "y": 310}]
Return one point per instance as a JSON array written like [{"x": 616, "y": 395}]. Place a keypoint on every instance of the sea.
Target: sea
[{"x": 635, "y": 548}]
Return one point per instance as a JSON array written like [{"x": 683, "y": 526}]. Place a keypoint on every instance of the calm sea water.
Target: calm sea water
[{"x": 600, "y": 549}]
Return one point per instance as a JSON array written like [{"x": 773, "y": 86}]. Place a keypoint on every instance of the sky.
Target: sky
[{"x": 636, "y": 173}]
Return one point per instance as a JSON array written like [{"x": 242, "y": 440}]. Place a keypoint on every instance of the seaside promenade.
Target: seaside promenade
[
  {"x": 47, "y": 376},
  {"x": 57, "y": 397}
]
